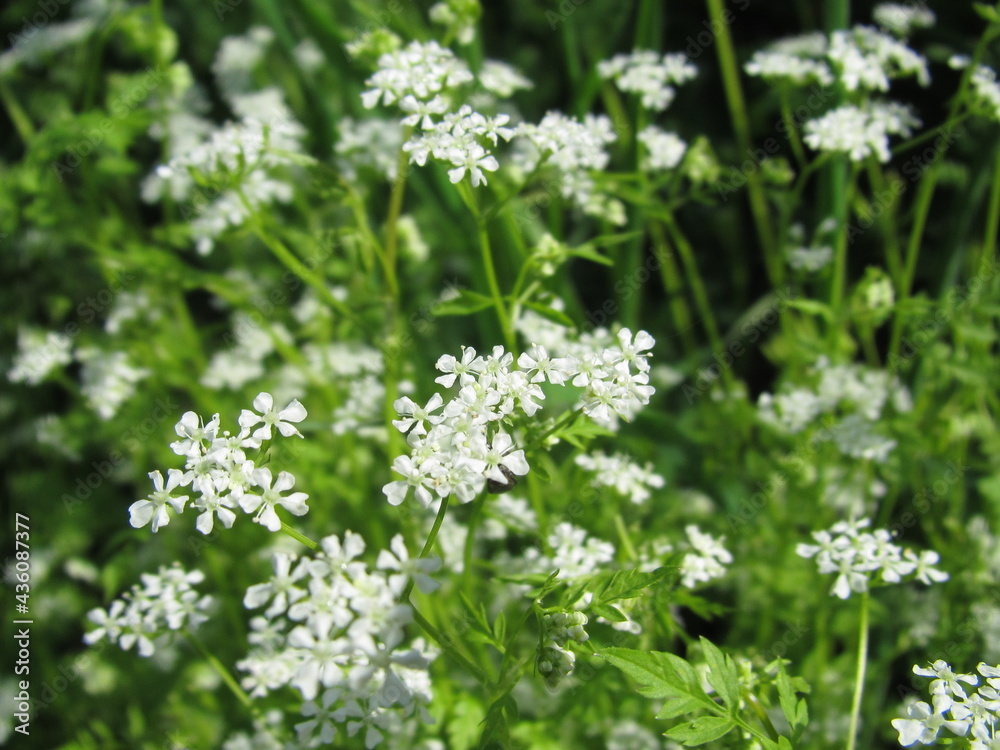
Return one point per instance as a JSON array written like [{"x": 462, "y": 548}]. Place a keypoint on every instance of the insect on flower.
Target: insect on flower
[{"x": 498, "y": 488}]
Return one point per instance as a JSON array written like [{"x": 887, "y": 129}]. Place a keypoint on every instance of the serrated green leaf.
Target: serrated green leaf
[
  {"x": 679, "y": 706},
  {"x": 660, "y": 675},
  {"x": 627, "y": 584},
  {"x": 701, "y": 730},
  {"x": 609, "y": 613},
  {"x": 786, "y": 695},
  {"x": 723, "y": 677},
  {"x": 801, "y": 713},
  {"x": 466, "y": 303}
]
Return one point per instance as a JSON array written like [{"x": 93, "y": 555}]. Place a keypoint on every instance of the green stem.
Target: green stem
[
  {"x": 921, "y": 210},
  {"x": 793, "y": 132},
  {"x": 392, "y": 222},
  {"x": 674, "y": 287},
  {"x": 227, "y": 677},
  {"x": 741, "y": 125},
  {"x": 992, "y": 215},
  {"x": 439, "y": 638},
  {"x": 491, "y": 280},
  {"x": 839, "y": 282},
  {"x": 859, "y": 682},
  {"x": 299, "y": 537},
  {"x": 20, "y": 119},
  {"x": 428, "y": 545},
  {"x": 701, "y": 300},
  {"x": 624, "y": 536},
  {"x": 470, "y": 539}
]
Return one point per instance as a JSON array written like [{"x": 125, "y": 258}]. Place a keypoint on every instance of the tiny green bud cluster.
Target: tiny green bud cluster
[{"x": 555, "y": 661}]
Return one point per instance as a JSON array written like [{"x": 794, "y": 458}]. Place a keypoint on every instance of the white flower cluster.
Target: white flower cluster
[
  {"x": 787, "y": 67},
  {"x": 706, "y": 560},
  {"x": 648, "y": 74},
  {"x": 953, "y": 709},
  {"x": 860, "y": 131},
  {"x": 234, "y": 164},
  {"x": 903, "y": 19},
  {"x": 464, "y": 448},
  {"x": 627, "y": 478},
  {"x": 39, "y": 352},
  {"x": 554, "y": 660},
  {"x": 858, "y": 394},
  {"x": 461, "y": 138},
  {"x": 237, "y": 57},
  {"x": 418, "y": 79},
  {"x": 420, "y": 70},
  {"x": 502, "y": 79},
  {"x": 663, "y": 150},
  {"x": 108, "y": 379},
  {"x": 575, "y": 553},
  {"x": 372, "y": 143},
  {"x": 335, "y": 631},
  {"x": 865, "y": 59},
  {"x": 860, "y": 59},
  {"x": 857, "y": 556},
  {"x": 145, "y": 616},
  {"x": 575, "y": 148},
  {"x": 218, "y": 469},
  {"x": 985, "y": 88}
]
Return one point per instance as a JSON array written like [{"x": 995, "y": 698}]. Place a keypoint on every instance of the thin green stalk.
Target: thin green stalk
[
  {"x": 465, "y": 191},
  {"x": 446, "y": 646},
  {"x": 22, "y": 123},
  {"x": 741, "y": 125},
  {"x": 859, "y": 681},
  {"x": 838, "y": 283},
  {"x": 625, "y": 538},
  {"x": 428, "y": 545},
  {"x": 392, "y": 222},
  {"x": 674, "y": 287},
  {"x": 227, "y": 677},
  {"x": 299, "y": 537},
  {"x": 992, "y": 215},
  {"x": 921, "y": 211},
  {"x": 793, "y": 133},
  {"x": 893, "y": 256},
  {"x": 701, "y": 300},
  {"x": 470, "y": 539}
]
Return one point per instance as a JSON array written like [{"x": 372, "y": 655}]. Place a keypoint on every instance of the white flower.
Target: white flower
[
  {"x": 419, "y": 569},
  {"x": 154, "y": 510},
  {"x": 540, "y": 366},
  {"x": 39, "y": 353},
  {"x": 648, "y": 74},
  {"x": 271, "y": 496},
  {"x": 663, "y": 150},
  {"x": 474, "y": 158},
  {"x": 795, "y": 69},
  {"x": 281, "y": 588},
  {"x": 901, "y": 19},
  {"x": 502, "y": 79},
  {"x": 282, "y": 420},
  {"x": 415, "y": 415}
]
